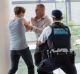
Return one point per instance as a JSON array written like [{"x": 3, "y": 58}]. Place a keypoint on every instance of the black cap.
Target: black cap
[{"x": 56, "y": 13}]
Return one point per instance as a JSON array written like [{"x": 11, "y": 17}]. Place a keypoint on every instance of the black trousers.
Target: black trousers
[
  {"x": 50, "y": 64},
  {"x": 27, "y": 57},
  {"x": 44, "y": 55}
]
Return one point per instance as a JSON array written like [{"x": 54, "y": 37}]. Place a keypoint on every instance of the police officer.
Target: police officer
[{"x": 57, "y": 47}]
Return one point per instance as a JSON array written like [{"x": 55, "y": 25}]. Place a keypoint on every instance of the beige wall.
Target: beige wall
[{"x": 4, "y": 41}]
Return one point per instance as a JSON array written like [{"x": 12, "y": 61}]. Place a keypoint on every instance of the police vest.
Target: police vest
[{"x": 60, "y": 37}]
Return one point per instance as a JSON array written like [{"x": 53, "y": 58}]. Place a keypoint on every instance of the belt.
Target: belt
[
  {"x": 60, "y": 50},
  {"x": 62, "y": 53}
]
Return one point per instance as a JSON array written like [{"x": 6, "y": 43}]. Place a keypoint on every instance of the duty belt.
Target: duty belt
[{"x": 61, "y": 52}]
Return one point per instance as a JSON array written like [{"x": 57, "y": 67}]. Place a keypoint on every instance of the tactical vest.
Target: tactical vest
[{"x": 60, "y": 37}]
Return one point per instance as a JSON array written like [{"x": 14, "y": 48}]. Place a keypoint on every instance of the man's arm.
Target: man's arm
[
  {"x": 34, "y": 27},
  {"x": 44, "y": 36},
  {"x": 26, "y": 24}
]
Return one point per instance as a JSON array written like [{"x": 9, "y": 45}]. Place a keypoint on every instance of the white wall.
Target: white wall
[{"x": 3, "y": 36}]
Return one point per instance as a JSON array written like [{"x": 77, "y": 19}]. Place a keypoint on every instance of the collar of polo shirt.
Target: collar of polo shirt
[{"x": 41, "y": 18}]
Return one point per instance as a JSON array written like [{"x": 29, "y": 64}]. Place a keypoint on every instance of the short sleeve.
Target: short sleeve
[{"x": 45, "y": 34}]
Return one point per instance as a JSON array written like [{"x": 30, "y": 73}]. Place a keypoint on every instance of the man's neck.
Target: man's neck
[
  {"x": 17, "y": 16},
  {"x": 39, "y": 17}
]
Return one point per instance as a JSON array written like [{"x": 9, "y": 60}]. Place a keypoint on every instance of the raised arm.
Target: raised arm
[{"x": 26, "y": 24}]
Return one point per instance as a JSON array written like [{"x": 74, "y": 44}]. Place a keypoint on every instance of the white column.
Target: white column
[{"x": 4, "y": 41}]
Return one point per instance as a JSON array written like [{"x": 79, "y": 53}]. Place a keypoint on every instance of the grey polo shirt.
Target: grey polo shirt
[{"x": 40, "y": 24}]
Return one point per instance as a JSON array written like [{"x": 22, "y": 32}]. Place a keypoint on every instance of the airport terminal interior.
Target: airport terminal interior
[{"x": 71, "y": 14}]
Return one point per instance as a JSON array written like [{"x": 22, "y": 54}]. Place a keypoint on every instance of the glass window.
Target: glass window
[
  {"x": 75, "y": 24},
  {"x": 75, "y": 28},
  {"x": 49, "y": 8},
  {"x": 62, "y": 6},
  {"x": 47, "y": 0},
  {"x": 75, "y": 8},
  {"x": 60, "y": 0}
]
